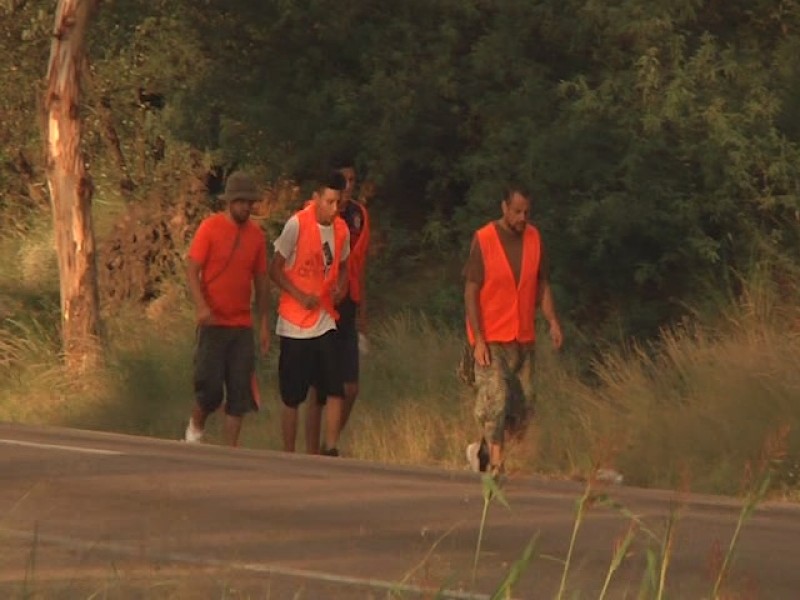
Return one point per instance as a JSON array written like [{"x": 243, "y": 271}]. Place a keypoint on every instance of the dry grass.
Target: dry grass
[
  {"x": 412, "y": 408},
  {"x": 694, "y": 406},
  {"x": 33, "y": 384}
]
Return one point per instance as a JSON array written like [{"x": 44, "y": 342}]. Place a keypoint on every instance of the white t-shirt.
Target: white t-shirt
[{"x": 286, "y": 246}]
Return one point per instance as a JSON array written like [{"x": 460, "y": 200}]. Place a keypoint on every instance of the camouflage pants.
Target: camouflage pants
[{"x": 505, "y": 397}]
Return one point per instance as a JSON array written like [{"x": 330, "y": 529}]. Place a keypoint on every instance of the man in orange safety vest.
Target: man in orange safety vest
[{"x": 506, "y": 281}]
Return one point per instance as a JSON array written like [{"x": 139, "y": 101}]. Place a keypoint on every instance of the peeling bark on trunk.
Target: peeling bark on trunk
[{"x": 71, "y": 188}]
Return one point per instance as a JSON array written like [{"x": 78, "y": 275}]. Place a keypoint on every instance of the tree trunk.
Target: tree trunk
[{"x": 71, "y": 188}]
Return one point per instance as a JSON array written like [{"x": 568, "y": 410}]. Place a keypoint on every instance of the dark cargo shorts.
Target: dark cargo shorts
[{"x": 224, "y": 369}]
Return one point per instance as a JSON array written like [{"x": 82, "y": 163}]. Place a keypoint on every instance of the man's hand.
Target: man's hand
[
  {"x": 203, "y": 314},
  {"x": 339, "y": 293},
  {"x": 263, "y": 337},
  {"x": 481, "y": 354},
  {"x": 555, "y": 334},
  {"x": 309, "y": 301}
]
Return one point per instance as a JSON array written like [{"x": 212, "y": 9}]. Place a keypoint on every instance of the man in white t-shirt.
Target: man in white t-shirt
[{"x": 310, "y": 269}]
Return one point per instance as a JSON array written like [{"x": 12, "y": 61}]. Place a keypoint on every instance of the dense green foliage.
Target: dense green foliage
[{"x": 659, "y": 137}]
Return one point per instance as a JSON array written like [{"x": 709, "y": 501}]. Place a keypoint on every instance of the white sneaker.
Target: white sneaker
[
  {"x": 193, "y": 435},
  {"x": 472, "y": 456}
]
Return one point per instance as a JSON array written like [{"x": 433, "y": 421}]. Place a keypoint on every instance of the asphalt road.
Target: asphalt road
[{"x": 88, "y": 514}]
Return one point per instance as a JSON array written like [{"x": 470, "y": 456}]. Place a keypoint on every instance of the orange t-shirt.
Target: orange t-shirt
[{"x": 230, "y": 256}]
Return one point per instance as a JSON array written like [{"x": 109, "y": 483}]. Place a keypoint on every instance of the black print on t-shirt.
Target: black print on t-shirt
[{"x": 326, "y": 252}]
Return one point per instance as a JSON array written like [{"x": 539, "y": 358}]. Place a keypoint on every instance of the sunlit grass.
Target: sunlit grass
[
  {"x": 647, "y": 413},
  {"x": 659, "y": 406},
  {"x": 412, "y": 408}
]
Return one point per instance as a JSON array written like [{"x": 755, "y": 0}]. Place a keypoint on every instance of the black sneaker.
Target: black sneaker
[
  {"x": 483, "y": 456},
  {"x": 329, "y": 452},
  {"x": 478, "y": 456}
]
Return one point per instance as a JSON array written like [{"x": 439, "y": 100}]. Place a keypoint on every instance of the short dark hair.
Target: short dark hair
[
  {"x": 333, "y": 180},
  {"x": 342, "y": 162},
  {"x": 516, "y": 188}
]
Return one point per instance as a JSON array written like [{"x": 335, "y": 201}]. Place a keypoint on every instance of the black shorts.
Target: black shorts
[
  {"x": 309, "y": 362},
  {"x": 224, "y": 369},
  {"x": 347, "y": 340}
]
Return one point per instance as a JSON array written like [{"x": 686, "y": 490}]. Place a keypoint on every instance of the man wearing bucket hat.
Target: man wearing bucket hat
[{"x": 227, "y": 259}]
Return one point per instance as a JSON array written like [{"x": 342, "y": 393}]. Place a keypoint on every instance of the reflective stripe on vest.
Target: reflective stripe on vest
[
  {"x": 307, "y": 273},
  {"x": 506, "y": 309}
]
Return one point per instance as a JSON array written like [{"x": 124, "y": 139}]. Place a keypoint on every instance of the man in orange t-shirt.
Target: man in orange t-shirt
[
  {"x": 227, "y": 259},
  {"x": 506, "y": 281}
]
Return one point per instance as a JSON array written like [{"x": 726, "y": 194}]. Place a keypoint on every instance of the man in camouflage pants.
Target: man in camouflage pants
[{"x": 506, "y": 280}]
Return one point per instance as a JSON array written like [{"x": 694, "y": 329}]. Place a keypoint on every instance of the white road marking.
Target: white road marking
[
  {"x": 60, "y": 447},
  {"x": 266, "y": 568}
]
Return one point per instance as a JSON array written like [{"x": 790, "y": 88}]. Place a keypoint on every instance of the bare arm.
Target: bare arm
[
  {"x": 261, "y": 284},
  {"x": 201, "y": 307},
  {"x": 471, "y": 290},
  {"x": 342, "y": 281},
  {"x": 278, "y": 276},
  {"x": 549, "y": 311},
  {"x": 474, "y": 274},
  {"x": 481, "y": 350}
]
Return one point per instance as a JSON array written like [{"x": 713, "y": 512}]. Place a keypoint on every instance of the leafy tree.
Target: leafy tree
[{"x": 659, "y": 138}]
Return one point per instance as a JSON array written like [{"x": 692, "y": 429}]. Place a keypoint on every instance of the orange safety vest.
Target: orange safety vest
[
  {"x": 307, "y": 272},
  {"x": 506, "y": 309},
  {"x": 357, "y": 260}
]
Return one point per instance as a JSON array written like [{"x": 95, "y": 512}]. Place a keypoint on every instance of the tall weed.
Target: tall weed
[
  {"x": 701, "y": 400},
  {"x": 693, "y": 405},
  {"x": 412, "y": 408}
]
